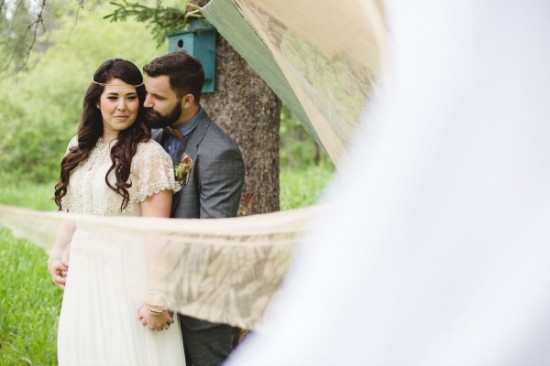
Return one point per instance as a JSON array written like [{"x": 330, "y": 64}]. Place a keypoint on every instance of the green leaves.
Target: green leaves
[
  {"x": 160, "y": 19},
  {"x": 40, "y": 107}
]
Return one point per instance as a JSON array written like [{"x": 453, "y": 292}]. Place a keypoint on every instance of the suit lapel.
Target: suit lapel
[
  {"x": 193, "y": 141},
  {"x": 190, "y": 148}
]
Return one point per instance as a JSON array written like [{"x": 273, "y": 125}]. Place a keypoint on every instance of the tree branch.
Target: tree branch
[
  {"x": 162, "y": 20},
  {"x": 20, "y": 43}
]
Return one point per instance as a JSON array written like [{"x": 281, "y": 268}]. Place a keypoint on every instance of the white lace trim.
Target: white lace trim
[{"x": 156, "y": 188}]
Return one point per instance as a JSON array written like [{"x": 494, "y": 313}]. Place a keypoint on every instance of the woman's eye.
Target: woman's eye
[
  {"x": 112, "y": 98},
  {"x": 132, "y": 97}
]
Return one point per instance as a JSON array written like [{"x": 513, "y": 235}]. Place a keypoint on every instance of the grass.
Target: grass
[
  {"x": 35, "y": 196},
  {"x": 30, "y": 303}
]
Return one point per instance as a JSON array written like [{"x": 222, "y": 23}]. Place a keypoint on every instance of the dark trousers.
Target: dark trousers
[{"x": 205, "y": 343}]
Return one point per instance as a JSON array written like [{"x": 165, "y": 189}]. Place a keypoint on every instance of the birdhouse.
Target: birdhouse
[{"x": 198, "y": 40}]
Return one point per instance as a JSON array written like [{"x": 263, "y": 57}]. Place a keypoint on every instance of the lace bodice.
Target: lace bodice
[{"x": 151, "y": 172}]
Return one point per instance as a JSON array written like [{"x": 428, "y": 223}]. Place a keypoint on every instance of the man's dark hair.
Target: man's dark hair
[{"x": 184, "y": 71}]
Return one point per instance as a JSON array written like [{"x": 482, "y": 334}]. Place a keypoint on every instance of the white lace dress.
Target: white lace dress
[{"x": 106, "y": 282}]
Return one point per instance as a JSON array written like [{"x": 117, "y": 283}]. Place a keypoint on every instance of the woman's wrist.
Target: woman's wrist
[
  {"x": 155, "y": 302},
  {"x": 156, "y": 298},
  {"x": 53, "y": 258},
  {"x": 156, "y": 310}
]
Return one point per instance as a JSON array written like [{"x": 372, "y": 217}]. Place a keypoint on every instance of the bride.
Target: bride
[{"x": 110, "y": 313}]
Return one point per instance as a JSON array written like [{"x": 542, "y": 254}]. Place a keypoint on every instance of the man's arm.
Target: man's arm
[{"x": 221, "y": 184}]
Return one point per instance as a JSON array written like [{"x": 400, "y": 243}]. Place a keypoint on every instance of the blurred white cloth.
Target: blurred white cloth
[{"x": 437, "y": 250}]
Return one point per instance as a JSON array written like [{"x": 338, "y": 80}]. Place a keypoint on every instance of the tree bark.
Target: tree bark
[{"x": 249, "y": 111}]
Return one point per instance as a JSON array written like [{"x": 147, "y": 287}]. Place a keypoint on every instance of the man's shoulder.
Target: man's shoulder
[
  {"x": 213, "y": 134},
  {"x": 217, "y": 139}
]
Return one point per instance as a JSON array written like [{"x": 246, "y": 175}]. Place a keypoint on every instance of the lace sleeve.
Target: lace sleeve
[
  {"x": 72, "y": 143},
  {"x": 153, "y": 170}
]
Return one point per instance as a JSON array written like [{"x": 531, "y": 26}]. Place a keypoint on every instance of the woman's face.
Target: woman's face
[{"x": 119, "y": 105}]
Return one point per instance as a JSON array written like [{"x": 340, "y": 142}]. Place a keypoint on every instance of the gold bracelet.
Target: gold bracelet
[{"x": 156, "y": 311}]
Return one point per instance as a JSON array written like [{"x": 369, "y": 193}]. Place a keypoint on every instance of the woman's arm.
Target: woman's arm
[
  {"x": 157, "y": 205},
  {"x": 58, "y": 263},
  {"x": 153, "y": 313}
]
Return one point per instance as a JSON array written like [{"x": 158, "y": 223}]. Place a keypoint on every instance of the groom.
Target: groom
[{"x": 208, "y": 164}]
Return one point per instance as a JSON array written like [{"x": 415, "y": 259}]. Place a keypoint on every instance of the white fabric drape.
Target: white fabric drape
[{"x": 439, "y": 252}]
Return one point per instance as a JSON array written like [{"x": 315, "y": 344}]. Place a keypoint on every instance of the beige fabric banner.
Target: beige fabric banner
[
  {"x": 321, "y": 57},
  {"x": 221, "y": 270}
]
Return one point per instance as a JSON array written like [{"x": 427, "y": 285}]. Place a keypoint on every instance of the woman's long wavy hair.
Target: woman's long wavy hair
[{"x": 90, "y": 130}]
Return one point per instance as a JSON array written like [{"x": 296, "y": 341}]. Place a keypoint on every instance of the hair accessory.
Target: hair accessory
[{"x": 103, "y": 84}]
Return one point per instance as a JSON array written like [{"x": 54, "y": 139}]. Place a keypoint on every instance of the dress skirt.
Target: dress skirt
[{"x": 106, "y": 285}]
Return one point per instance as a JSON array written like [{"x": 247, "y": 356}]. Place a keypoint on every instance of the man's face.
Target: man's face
[{"x": 164, "y": 107}]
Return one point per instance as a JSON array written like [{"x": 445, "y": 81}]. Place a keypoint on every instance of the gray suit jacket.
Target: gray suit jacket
[
  {"x": 215, "y": 182},
  {"x": 216, "y": 177}
]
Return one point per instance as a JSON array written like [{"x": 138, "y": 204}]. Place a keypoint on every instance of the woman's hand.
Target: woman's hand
[
  {"x": 155, "y": 318},
  {"x": 58, "y": 270},
  {"x": 58, "y": 264}
]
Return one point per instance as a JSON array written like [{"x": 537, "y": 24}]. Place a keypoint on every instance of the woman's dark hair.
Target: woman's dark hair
[{"x": 90, "y": 130}]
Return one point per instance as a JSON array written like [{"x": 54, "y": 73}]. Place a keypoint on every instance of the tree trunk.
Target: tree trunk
[{"x": 248, "y": 110}]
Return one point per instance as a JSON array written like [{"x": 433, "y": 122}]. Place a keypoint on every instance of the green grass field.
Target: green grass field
[{"x": 30, "y": 303}]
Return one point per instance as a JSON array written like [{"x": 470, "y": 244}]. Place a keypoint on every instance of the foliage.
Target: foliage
[
  {"x": 21, "y": 24},
  {"x": 29, "y": 195},
  {"x": 305, "y": 167},
  {"x": 40, "y": 107},
  {"x": 298, "y": 149},
  {"x": 303, "y": 187},
  {"x": 162, "y": 20}
]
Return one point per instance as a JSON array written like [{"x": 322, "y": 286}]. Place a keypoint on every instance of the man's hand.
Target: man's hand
[{"x": 58, "y": 270}]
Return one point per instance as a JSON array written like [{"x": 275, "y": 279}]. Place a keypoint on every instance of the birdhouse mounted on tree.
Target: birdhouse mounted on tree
[{"x": 198, "y": 40}]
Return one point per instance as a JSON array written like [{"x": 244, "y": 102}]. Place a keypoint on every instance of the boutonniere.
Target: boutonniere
[{"x": 183, "y": 169}]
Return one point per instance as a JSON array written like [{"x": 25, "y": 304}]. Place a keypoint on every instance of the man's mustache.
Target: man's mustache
[{"x": 151, "y": 112}]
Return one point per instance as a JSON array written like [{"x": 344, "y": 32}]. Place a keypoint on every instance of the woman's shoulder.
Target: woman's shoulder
[
  {"x": 73, "y": 141},
  {"x": 149, "y": 148}
]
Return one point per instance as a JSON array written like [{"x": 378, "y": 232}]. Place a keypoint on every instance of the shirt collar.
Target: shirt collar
[{"x": 190, "y": 125}]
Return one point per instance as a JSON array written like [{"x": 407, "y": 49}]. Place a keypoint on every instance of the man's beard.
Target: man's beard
[{"x": 156, "y": 120}]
